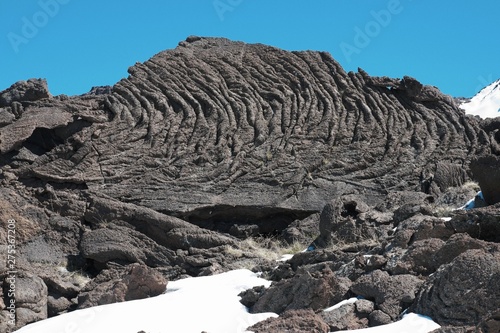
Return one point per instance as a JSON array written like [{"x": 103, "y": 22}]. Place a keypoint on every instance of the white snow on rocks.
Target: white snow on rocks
[
  {"x": 193, "y": 305},
  {"x": 486, "y": 103}
]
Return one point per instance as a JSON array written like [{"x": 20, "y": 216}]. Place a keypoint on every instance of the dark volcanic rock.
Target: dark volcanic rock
[
  {"x": 482, "y": 223},
  {"x": 337, "y": 223},
  {"x": 25, "y": 91},
  {"x": 418, "y": 259},
  {"x": 166, "y": 230},
  {"x": 378, "y": 318},
  {"x": 292, "y": 321},
  {"x": 463, "y": 292},
  {"x": 486, "y": 170},
  {"x": 349, "y": 223},
  {"x": 124, "y": 245},
  {"x": 101, "y": 90},
  {"x": 302, "y": 231},
  {"x": 350, "y": 316},
  {"x": 135, "y": 281},
  {"x": 421, "y": 227},
  {"x": 252, "y": 125},
  {"x": 306, "y": 290},
  {"x": 423, "y": 257},
  {"x": 58, "y": 305},
  {"x": 251, "y": 296},
  {"x": 30, "y": 298},
  {"x": 456, "y": 245},
  {"x": 392, "y": 294},
  {"x": 334, "y": 257}
]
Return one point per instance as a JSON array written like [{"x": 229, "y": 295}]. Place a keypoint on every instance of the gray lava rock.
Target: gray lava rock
[
  {"x": 317, "y": 290},
  {"x": 419, "y": 258},
  {"x": 31, "y": 90},
  {"x": 135, "y": 281},
  {"x": 463, "y": 291},
  {"x": 343, "y": 222},
  {"x": 482, "y": 223},
  {"x": 345, "y": 317},
  {"x": 364, "y": 306},
  {"x": 486, "y": 170},
  {"x": 120, "y": 244},
  {"x": 458, "y": 244},
  {"x": 334, "y": 257},
  {"x": 258, "y": 146},
  {"x": 296, "y": 321},
  {"x": 378, "y": 318},
  {"x": 421, "y": 227},
  {"x": 392, "y": 294},
  {"x": 30, "y": 297},
  {"x": 58, "y": 305},
  {"x": 167, "y": 231}
]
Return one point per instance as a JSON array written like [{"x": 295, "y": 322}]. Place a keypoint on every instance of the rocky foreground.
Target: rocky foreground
[{"x": 213, "y": 155}]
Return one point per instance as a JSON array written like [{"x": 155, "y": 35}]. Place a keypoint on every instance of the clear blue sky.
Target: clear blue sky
[{"x": 77, "y": 44}]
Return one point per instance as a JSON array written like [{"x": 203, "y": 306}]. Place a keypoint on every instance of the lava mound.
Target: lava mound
[{"x": 214, "y": 124}]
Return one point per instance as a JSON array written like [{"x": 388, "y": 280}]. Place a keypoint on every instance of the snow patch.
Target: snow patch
[
  {"x": 410, "y": 323},
  {"x": 344, "y": 302},
  {"x": 285, "y": 257},
  {"x": 194, "y": 305},
  {"x": 486, "y": 103}
]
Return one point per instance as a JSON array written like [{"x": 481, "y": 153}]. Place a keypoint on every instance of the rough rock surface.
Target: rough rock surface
[
  {"x": 135, "y": 281},
  {"x": 25, "y": 91},
  {"x": 30, "y": 298},
  {"x": 123, "y": 245},
  {"x": 391, "y": 294},
  {"x": 351, "y": 316},
  {"x": 293, "y": 321},
  {"x": 486, "y": 170},
  {"x": 296, "y": 122},
  {"x": 482, "y": 223},
  {"x": 306, "y": 290},
  {"x": 464, "y": 291},
  {"x": 173, "y": 168}
]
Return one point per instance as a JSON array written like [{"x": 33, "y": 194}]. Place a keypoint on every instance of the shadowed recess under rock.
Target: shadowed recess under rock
[{"x": 245, "y": 221}]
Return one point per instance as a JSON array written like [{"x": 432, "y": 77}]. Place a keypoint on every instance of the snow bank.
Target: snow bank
[
  {"x": 486, "y": 103},
  {"x": 194, "y": 305}
]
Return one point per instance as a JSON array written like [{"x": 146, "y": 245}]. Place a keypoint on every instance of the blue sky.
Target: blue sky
[{"x": 76, "y": 44}]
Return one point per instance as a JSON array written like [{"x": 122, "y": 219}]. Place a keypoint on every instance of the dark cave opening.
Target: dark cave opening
[
  {"x": 44, "y": 139},
  {"x": 349, "y": 209},
  {"x": 41, "y": 141},
  {"x": 245, "y": 221}
]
